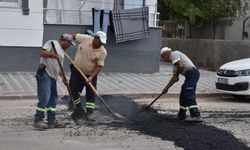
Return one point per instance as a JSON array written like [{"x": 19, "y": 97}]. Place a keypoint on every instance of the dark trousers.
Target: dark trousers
[
  {"x": 188, "y": 96},
  {"x": 76, "y": 84}
]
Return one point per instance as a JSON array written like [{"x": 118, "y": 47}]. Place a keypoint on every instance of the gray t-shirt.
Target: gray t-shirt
[
  {"x": 179, "y": 56},
  {"x": 52, "y": 67}
]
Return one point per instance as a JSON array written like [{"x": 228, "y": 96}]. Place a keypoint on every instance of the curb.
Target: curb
[{"x": 130, "y": 95}]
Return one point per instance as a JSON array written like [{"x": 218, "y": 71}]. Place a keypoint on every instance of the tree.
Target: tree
[{"x": 202, "y": 12}]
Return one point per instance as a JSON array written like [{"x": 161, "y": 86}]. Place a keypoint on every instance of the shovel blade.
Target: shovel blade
[{"x": 78, "y": 117}]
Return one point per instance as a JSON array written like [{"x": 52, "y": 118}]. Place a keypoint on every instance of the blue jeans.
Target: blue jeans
[
  {"x": 47, "y": 98},
  {"x": 187, "y": 96}
]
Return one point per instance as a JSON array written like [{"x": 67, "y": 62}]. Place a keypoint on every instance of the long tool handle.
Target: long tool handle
[
  {"x": 155, "y": 100},
  {"x": 163, "y": 92},
  {"x": 93, "y": 88},
  {"x": 62, "y": 72}
]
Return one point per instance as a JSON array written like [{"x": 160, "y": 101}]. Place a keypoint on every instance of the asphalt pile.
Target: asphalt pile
[{"x": 165, "y": 126}]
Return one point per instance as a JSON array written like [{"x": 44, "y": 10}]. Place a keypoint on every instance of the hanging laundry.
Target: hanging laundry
[
  {"x": 100, "y": 19},
  {"x": 105, "y": 20},
  {"x": 130, "y": 24},
  {"x": 96, "y": 19}
]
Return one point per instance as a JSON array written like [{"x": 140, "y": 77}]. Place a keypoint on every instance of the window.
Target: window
[{"x": 10, "y": 3}]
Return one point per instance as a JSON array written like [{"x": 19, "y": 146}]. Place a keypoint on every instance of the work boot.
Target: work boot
[
  {"x": 194, "y": 119},
  {"x": 181, "y": 115},
  {"x": 56, "y": 125},
  {"x": 40, "y": 125},
  {"x": 90, "y": 116},
  {"x": 81, "y": 112}
]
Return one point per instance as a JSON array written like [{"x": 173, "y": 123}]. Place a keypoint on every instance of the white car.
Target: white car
[{"x": 234, "y": 77}]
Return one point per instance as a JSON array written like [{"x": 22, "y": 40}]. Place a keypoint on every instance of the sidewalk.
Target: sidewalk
[{"x": 23, "y": 84}]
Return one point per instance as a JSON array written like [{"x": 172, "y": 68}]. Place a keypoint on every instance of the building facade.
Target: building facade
[{"x": 27, "y": 24}]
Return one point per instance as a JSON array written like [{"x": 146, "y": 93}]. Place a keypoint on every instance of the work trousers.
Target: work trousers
[
  {"x": 47, "y": 98},
  {"x": 77, "y": 83},
  {"x": 188, "y": 96}
]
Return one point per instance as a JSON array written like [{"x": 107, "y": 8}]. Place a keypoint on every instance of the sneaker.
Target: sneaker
[
  {"x": 40, "y": 125},
  {"x": 56, "y": 125},
  {"x": 194, "y": 119}
]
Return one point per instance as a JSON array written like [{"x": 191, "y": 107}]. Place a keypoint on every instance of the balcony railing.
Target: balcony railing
[{"x": 76, "y": 17}]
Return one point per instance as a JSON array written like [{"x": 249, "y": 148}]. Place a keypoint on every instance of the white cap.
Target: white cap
[
  {"x": 102, "y": 36},
  {"x": 165, "y": 49}
]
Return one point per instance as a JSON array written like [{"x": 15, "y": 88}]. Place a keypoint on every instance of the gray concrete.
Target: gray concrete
[{"x": 210, "y": 54}]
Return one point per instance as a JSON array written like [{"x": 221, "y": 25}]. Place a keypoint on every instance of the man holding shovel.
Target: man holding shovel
[
  {"x": 90, "y": 57},
  {"x": 46, "y": 76},
  {"x": 183, "y": 65}
]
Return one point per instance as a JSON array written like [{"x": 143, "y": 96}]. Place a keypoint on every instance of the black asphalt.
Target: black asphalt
[{"x": 189, "y": 136}]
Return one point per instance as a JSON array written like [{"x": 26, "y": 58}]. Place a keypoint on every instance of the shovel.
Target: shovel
[
  {"x": 146, "y": 108},
  {"x": 80, "y": 112},
  {"x": 95, "y": 91},
  {"x": 162, "y": 93}
]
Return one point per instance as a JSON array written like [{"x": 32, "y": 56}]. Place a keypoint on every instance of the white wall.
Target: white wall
[{"x": 22, "y": 30}]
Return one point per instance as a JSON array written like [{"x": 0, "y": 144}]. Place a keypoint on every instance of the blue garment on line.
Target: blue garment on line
[{"x": 100, "y": 20}]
